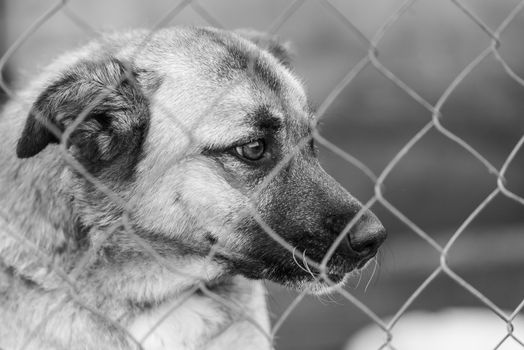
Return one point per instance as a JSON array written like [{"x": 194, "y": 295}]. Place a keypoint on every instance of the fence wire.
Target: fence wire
[{"x": 372, "y": 59}]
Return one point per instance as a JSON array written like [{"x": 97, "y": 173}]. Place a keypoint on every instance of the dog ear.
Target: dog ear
[
  {"x": 281, "y": 50},
  {"x": 102, "y": 104}
]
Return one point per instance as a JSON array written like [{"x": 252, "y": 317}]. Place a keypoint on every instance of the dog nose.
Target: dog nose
[{"x": 366, "y": 235}]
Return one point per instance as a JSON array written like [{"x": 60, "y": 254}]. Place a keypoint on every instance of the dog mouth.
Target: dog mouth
[
  {"x": 319, "y": 285},
  {"x": 334, "y": 273},
  {"x": 301, "y": 273},
  {"x": 339, "y": 276},
  {"x": 335, "y": 279},
  {"x": 338, "y": 270}
]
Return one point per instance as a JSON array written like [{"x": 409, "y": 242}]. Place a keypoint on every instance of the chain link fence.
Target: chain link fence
[{"x": 435, "y": 122}]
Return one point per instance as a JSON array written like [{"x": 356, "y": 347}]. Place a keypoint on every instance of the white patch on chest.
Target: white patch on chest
[
  {"x": 203, "y": 323},
  {"x": 177, "y": 325}
]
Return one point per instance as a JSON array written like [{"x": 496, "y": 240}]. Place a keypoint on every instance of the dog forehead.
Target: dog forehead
[
  {"x": 221, "y": 57},
  {"x": 221, "y": 118},
  {"x": 212, "y": 90}
]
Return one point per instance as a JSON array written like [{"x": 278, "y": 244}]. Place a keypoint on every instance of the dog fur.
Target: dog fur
[{"x": 125, "y": 195}]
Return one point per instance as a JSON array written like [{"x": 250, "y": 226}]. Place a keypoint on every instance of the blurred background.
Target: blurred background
[{"x": 437, "y": 185}]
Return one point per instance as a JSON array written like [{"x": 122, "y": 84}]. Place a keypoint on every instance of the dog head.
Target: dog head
[{"x": 196, "y": 132}]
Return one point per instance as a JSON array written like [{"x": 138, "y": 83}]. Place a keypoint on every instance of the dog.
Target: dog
[{"x": 142, "y": 176}]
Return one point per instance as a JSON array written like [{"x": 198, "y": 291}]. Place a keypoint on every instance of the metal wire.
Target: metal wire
[{"x": 370, "y": 60}]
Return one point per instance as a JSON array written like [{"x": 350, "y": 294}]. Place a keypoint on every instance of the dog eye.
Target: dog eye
[{"x": 251, "y": 151}]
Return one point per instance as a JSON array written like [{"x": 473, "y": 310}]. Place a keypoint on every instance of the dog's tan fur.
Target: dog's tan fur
[{"x": 186, "y": 95}]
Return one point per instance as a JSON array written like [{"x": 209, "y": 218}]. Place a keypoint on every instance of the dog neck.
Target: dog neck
[{"x": 230, "y": 314}]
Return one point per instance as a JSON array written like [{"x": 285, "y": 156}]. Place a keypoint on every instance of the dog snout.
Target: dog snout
[
  {"x": 364, "y": 237},
  {"x": 367, "y": 236}
]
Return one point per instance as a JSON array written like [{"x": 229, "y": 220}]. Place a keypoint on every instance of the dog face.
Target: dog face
[{"x": 195, "y": 130}]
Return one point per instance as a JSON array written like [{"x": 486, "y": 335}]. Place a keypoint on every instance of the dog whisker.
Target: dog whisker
[
  {"x": 331, "y": 298},
  {"x": 296, "y": 261},
  {"x": 359, "y": 272},
  {"x": 307, "y": 266},
  {"x": 375, "y": 266}
]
